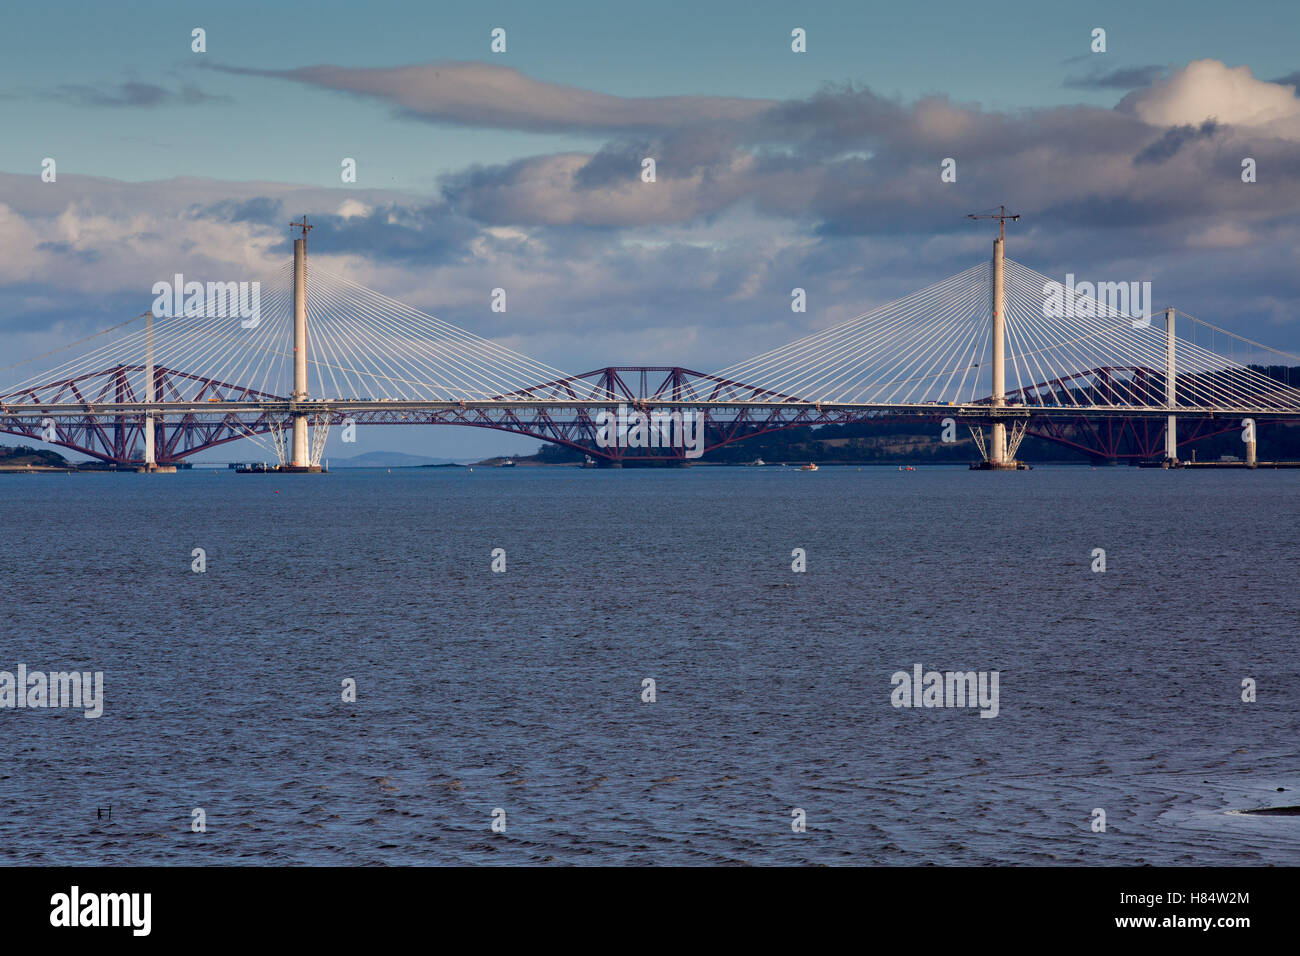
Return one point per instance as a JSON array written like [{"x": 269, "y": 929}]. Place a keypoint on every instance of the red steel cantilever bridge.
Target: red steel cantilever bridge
[{"x": 985, "y": 348}]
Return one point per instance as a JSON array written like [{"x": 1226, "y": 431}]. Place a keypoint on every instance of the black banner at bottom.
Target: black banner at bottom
[{"x": 333, "y": 906}]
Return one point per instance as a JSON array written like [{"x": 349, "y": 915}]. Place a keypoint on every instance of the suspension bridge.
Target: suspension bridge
[{"x": 983, "y": 348}]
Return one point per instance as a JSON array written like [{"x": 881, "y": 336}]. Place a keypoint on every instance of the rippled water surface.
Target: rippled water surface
[{"x": 522, "y": 691}]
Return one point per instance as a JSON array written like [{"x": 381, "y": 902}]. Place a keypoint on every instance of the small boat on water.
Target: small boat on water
[
  {"x": 811, "y": 466},
  {"x": 508, "y": 463},
  {"x": 756, "y": 463}
]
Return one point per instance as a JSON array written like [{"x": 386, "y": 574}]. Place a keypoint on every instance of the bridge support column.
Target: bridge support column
[
  {"x": 150, "y": 459},
  {"x": 1252, "y": 460},
  {"x": 1171, "y": 386},
  {"x": 998, "y": 444},
  {"x": 151, "y": 465},
  {"x": 299, "y": 453},
  {"x": 997, "y": 453},
  {"x": 300, "y": 458}
]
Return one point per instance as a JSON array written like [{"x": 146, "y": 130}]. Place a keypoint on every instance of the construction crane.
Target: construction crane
[{"x": 1002, "y": 218}]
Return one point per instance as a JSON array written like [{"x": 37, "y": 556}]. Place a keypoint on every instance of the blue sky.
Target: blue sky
[
  {"x": 823, "y": 172},
  {"x": 1002, "y": 55}
]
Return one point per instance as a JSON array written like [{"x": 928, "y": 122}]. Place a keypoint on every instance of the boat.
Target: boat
[
  {"x": 756, "y": 463},
  {"x": 588, "y": 461},
  {"x": 508, "y": 463},
  {"x": 811, "y": 466}
]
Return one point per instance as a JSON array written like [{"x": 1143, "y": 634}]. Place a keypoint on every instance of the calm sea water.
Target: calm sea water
[{"x": 522, "y": 690}]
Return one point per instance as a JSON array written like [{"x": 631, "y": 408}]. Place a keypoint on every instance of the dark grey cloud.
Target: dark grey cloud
[
  {"x": 614, "y": 163},
  {"x": 258, "y": 209},
  {"x": 485, "y": 95},
  {"x": 1168, "y": 145},
  {"x": 1123, "y": 78},
  {"x": 429, "y": 233},
  {"x": 67, "y": 250},
  {"x": 130, "y": 94},
  {"x": 422, "y": 235}
]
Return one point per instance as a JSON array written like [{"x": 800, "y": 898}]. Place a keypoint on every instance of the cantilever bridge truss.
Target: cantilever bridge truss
[{"x": 1097, "y": 378}]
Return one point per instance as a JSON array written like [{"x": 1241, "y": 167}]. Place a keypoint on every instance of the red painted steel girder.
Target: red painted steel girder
[
  {"x": 1122, "y": 438},
  {"x": 610, "y": 384},
  {"x": 112, "y": 438}
]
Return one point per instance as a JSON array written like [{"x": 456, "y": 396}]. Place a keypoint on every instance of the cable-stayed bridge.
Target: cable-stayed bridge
[{"x": 998, "y": 347}]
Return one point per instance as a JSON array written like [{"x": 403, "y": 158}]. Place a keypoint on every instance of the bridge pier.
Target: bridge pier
[
  {"x": 997, "y": 457},
  {"x": 151, "y": 465},
  {"x": 299, "y": 449},
  {"x": 998, "y": 444},
  {"x": 1171, "y": 399},
  {"x": 149, "y": 459}
]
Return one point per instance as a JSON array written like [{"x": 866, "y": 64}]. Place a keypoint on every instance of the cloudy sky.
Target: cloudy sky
[{"x": 521, "y": 169}]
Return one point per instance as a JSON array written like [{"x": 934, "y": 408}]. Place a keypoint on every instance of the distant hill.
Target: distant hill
[
  {"x": 387, "y": 459},
  {"x": 879, "y": 443},
  {"x": 19, "y": 456}
]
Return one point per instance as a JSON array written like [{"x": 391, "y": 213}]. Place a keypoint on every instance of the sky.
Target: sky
[{"x": 521, "y": 169}]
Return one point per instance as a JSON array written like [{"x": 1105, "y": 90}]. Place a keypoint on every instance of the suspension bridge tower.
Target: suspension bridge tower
[
  {"x": 151, "y": 426},
  {"x": 998, "y": 455},
  {"x": 300, "y": 457}
]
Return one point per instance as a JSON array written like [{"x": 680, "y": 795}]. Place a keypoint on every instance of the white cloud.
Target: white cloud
[
  {"x": 351, "y": 208},
  {"x": 1211, "y": 90}
]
